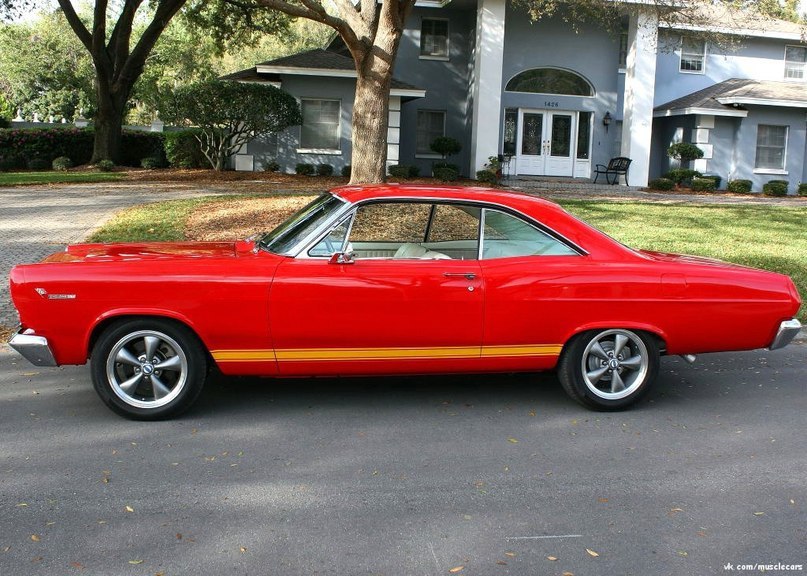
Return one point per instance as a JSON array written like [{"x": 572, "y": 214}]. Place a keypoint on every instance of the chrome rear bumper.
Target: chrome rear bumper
[
  {"x": 33, "y": 348},
  {"x": 787, "y": 331}
]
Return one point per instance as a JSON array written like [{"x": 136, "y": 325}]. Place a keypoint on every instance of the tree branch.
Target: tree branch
[
  {"x": 122, "y": 33},
  {"x": 76, "y": 24}
]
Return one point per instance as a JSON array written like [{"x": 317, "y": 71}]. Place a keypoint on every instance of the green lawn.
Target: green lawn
[
  {"x": 17, "y": 178},
  {"x": 762, "y": 236}
]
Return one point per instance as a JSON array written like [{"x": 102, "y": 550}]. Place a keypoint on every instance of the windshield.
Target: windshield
[{"x": 301, "y": 224}]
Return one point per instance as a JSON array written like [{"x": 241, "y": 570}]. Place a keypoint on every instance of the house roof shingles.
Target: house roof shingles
[{"x": 735, "y": 93}]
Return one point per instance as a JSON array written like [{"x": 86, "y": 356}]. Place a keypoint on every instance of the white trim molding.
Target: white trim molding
[
  {"x": 705, "y": 111},
  {"x": 744, "y": 100}
]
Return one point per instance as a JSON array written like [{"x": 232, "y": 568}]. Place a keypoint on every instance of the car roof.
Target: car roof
[{"x": 548, "y": 213}]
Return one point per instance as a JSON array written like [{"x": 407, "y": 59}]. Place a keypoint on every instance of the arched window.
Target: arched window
[{"x": 550, "y": 81}]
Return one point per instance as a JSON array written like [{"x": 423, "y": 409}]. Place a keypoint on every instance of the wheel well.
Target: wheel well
[
  {"x": 108, "y": 323},
  {"x": 660, "y": 342}
]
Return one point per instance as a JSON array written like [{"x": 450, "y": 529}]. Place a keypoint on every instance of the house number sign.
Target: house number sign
[{"x": 549, "y": 104}]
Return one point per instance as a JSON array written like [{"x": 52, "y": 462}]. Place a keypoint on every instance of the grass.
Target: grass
[
  {"x": 763, "y": 236},
  {"x": 52, "y": 177}
]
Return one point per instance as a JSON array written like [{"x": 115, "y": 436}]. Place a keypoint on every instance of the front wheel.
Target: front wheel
[
  {"x": 148, "y": 369},
  {"x": 609, "y": 369}
]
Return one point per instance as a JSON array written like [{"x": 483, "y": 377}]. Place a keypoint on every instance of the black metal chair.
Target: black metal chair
[{"x": 616, "y": 167}]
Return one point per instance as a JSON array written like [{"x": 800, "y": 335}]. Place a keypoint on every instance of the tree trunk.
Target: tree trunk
[
  {"x": 108, "y": 124},
  {"x": 370, "y": 121}
]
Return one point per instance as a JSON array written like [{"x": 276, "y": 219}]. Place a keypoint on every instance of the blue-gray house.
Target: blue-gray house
[{"x": 558, "y": 100}]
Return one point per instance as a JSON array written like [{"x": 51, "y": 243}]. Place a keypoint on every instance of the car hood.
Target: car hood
[{"x": 151, "y": 251}]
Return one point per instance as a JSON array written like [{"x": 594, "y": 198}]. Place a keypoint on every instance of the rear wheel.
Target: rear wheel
[
  {"x": 148, "y": 369},
  {"x": 609, "y": 369}
]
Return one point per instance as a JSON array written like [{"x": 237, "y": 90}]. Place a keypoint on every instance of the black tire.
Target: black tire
[
  {"x": 609, "y": 369},
  {"x": 148, "y": 388}
]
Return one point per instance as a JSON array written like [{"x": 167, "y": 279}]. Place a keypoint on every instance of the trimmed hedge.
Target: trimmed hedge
[
  {"x": 62, "y": 164},
  {"x": 802, "y": 189},
  {"x": 682, "y": 176},
  {"x": 346, "y": 171},
  {"x": 404, "y": 171},
  {"x": 446, "y": 173},
  {"x": 775, "y": 188},
  {"x": 661, "y": 184},
  {"x": 75, "y": 143},
  {"x": 739, "y": 186},
  {"x": 487, "y": 177},
  {"x": 324, "y": 170},
  {"x": 703, "y": 185},
  {"x": 304, "y": 169}
]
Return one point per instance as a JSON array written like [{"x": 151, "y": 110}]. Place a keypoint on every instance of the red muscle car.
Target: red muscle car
[{"x": 380, "y": 280}]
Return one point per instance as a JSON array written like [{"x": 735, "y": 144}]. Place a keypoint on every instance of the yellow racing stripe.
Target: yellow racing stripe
[{"x": 358, "y": 354}]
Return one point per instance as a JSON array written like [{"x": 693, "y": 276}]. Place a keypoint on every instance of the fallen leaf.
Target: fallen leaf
[
  {"x": 456, "y": 569},
  {"x": 129, "y": 509},
  {"x": 591, "y": 553},
  {"x": 683, "y": 553},
  {"x": 512, "y": 440},
  {"x": 77, "y": 565},
  {"x": 532, "y": 412},
  {"x": 602, "y": 500},
  {"x": 552, "y": 558},
  {"x": 501, "y": 562},
  {"x": 675, "y": 510},
  {"x": 511, "y": 554},
  {"x": 568, "y": 574},
  {"x": 759, "y": 513},
  {"x": 243, "y": 549},
  {"x": 135, "y": 561},
  {"x": 179, "y": 536},
  {"x": 23, "y": 504},
  {"x": 35, "y": 537},
  {"x": 792, "y": 502},
  {"x": 7, "y": 549}
]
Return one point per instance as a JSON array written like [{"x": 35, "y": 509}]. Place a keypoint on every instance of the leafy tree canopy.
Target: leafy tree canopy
[{"x": 232, "y": 113}]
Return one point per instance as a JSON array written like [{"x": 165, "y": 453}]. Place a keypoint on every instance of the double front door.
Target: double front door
[{"x": 545, "y": 142}]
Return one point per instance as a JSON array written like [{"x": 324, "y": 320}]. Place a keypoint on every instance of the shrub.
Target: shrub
[
  {"x": 324, "y": 170},
  {"x": 136, "y": 145},
  {"x": 682, "y": 176},
  {"x": 11, "y": 162},
  {"x": 346, "y": 171},
  {"x": 182, "y": 149},
  {"x": 404, "y": 171},
  {"x": 661, "y": 184},
  {"x": 802, "y": 190},
  {"x": 4, "y": 122},
  {"x": 775, "y": 188},
  {"x": 150, "y": 163},
  {"x": 46, "y": 143},
  {"x": 717, "y": 179},
  {"x": 446, "y": 173},
  {"x": 684, "y": 151},
  {"x": 304, "y": 169},
  {"x": 487, "y": 177},
  {"x": 271, "y": 166},
  {"x": 703, "y": 185},
  {"x": 445, "y": 146},
  {"x": 62, "y": 164},
  {"x": 105, "y": 165},
  {"x": 37, "y": 163},
  {"x": 739, "y": 186}
]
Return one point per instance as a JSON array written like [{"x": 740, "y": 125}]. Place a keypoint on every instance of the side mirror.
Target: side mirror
[{"x": 342, "y": 258}]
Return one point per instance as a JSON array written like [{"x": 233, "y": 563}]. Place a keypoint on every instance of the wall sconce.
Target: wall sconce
[{"x": 606, "y": 120}]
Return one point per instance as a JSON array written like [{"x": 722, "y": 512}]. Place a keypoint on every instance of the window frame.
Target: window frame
[
  {"x": 803, "y": 64},
  {"x": 768, "y": 169},
  {"x": 350, "y": 213},
  {"x": 447, "y": 44},
  {"x": 302, "y": 149},
  {"x": 429, "y": 154},
  {"x": 682, "y": 58}
]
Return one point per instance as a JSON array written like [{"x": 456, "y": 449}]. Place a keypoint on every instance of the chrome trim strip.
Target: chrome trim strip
[
  {"x": 788, "y": 330},
  {"x": 33, "y": 348}
]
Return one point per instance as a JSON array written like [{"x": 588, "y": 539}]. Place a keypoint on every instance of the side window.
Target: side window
[
  {"x": 454, "y": 231},
  {"x": 506, "y": 236},
  {"x": 333, "y": 242}
]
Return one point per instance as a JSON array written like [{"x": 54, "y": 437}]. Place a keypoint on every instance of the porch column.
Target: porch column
[
  {"x": 487, "y": 82},
  {"x": 640, "y": 81}
]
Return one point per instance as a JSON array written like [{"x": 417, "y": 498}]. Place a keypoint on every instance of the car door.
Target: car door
[
  {"x": 528, "y": 272},
  {"x": 407, "y": 297}
]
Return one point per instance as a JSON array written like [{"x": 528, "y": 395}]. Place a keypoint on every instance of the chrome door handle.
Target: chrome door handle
[{"x": 466, "y": 275}]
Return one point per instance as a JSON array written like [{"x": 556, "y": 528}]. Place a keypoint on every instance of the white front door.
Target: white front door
[{"x": 544, "y": 145}]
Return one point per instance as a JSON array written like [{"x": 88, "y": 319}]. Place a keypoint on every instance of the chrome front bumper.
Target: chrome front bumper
[
  {"x": 787, "y": 331},
  {"x": 33, "y": 348}
]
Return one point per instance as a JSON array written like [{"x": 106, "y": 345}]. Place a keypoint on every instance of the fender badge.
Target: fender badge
[{"x": 44, "y": 293}]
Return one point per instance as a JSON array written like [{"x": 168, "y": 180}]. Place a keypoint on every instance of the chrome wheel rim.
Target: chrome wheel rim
[
  {"x": 147, "y": 369},
  {"x": 615, "y": 364}
]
